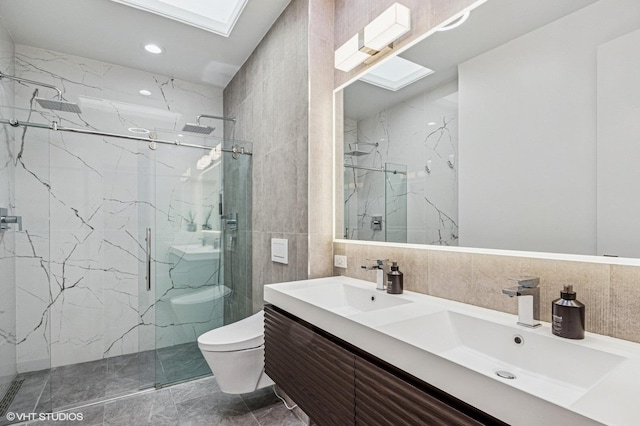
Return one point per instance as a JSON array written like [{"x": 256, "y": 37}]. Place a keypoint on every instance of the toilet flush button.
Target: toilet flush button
[{"x": 280, "y": 250}]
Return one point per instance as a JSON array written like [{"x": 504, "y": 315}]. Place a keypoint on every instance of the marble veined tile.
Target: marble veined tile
[{"x": 86, "y": 200}]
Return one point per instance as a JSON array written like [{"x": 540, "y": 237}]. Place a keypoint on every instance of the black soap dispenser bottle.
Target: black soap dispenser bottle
[
  {"x": 567, "y": 315},
  {"x": 394, "y": 280}
]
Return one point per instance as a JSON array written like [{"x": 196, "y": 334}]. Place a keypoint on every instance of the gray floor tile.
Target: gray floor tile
[
  {"x": 276, "y": 414},
  {"x": 198, "y": 402},
  {"x": 34, "y": 387},
  {"x": 92, "y": 415},
  {"x": 260, "y": 398},
  {"x": 152, "y": 408},
  {"x": 217, "y": 409},
  {"x": 194, "y": 389}
]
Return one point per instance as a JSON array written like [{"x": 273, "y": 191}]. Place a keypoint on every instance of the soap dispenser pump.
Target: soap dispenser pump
[
  {"x": 394, "y": 280},
  {"x": 567, "y": 315}
]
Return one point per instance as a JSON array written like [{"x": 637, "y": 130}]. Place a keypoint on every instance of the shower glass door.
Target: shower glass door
[
  {"x": 395, "y": 202},
  {"x": 192, "y": 237}
]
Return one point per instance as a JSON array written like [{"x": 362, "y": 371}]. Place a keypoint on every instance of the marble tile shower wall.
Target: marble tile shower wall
[
  {"x": 8, "y": 366},
  {"x": 422, "y": 130},
  {"x": 88, "y": 199}
]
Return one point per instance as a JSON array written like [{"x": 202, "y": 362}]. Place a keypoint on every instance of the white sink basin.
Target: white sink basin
[
  {"x": 192, "y": 252},
  {"x": 550, "y": 367},
  {"x": 459, "y": 348},
  {"x": 346, "y": 299}
]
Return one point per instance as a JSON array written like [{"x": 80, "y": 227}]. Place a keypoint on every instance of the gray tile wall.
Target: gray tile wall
[
  {"x": 320, "y": 203},
  {"x": 269, "y": 96}
]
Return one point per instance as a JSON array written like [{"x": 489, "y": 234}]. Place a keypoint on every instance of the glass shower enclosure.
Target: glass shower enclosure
[
  {"x": 375, "y": 202},
  {"x": 129, "y": 250}
]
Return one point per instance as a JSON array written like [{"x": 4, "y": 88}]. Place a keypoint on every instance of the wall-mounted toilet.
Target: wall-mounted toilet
[{"x": 235, "y": 354}]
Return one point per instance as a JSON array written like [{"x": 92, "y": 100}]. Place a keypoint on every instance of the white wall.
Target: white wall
[
  {"x": 619, "y": 146},
  {"x": 528, "y": 135}
]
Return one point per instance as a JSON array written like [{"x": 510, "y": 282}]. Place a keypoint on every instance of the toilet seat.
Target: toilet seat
[{"x": 241, "y": 335}]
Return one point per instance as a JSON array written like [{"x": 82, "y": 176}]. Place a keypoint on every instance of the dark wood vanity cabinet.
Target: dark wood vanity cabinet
[
  {"x": 338, "y": 384},
  {"x": 315, "y": 372}
]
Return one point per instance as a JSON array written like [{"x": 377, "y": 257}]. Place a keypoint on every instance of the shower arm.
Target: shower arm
[
  {"x": 36, "y": 83},
  {"x": 213, "y": 116}
]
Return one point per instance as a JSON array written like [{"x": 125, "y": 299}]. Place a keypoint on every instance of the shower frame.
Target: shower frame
[{"x": 236, "y": 149}]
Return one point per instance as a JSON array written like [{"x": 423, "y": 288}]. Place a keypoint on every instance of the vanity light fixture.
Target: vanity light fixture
[
  {"x": 152, "y": 48},
  {"x": 456, "y": 23},
  {"x": 373, "y": 39}
]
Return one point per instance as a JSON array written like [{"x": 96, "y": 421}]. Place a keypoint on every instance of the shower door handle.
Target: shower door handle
[{"x": 148, "y": 265}]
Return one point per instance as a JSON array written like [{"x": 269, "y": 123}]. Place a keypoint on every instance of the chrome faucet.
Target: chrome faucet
[
  {"x": 528, "y": 294},
  {"x": 379, "y": 268}
]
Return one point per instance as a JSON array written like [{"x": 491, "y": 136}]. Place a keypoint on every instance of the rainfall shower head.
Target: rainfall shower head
[
  {"x": 204, "y": 130},
  {"x": 197, "y": 128},
  {"x": 59, "y": 105},
  {"x": 52, "y": 104}
]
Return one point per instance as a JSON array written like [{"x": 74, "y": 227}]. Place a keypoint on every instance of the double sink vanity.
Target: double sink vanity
[{"x": 472, "y": 363}]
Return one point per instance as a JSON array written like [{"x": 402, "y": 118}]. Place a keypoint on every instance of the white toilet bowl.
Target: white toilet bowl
[{"x": 235, "y": 354}]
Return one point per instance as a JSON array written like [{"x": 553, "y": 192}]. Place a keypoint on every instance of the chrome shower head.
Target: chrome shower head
[
  {"x": 197, "y": 128},
  {"x": 52, "y": 104},
  {"x": 59, "y": 105},
  {"x": 204, "y": 130}
]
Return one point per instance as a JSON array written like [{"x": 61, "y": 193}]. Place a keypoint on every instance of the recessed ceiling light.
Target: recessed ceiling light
[
  {"x": 138, "y": 130},
  {"x": 145, "y": 92},
  {"x": 152, "y": 48},
  {"x": 431, "y": 123},
  {"x": 456, "y": 23},
  {"x": 395, "y": 74}
]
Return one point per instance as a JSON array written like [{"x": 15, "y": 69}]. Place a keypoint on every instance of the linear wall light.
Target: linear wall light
[{"x": 376, "y": 37}]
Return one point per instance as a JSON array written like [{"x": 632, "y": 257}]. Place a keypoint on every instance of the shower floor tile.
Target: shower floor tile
[{"x": 77, "y": 385}]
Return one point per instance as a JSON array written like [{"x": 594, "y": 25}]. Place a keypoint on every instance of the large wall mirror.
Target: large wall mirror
[{"x": 519, "y": 130}]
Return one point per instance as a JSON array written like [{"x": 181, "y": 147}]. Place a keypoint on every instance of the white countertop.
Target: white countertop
[{"x": 560, "y": 381}]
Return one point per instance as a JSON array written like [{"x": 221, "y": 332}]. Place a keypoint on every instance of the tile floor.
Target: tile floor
[
  {"x": 79, "y": 384},
  {"x": 199, "y": 402},
  {"x": 102, "y": 380}
]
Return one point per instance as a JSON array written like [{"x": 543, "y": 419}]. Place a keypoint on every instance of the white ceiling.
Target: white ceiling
[{"x": 115, "y": 33}]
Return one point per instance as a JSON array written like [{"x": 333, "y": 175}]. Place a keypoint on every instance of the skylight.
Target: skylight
[
  {"x": 216, "y": 16},
  {"x": 395, "y": 74}
]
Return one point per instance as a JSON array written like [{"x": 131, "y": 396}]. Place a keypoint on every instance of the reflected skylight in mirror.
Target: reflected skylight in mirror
[
  {"x": 396, "y": 73},
  {"x": 216, "y": 16}
]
